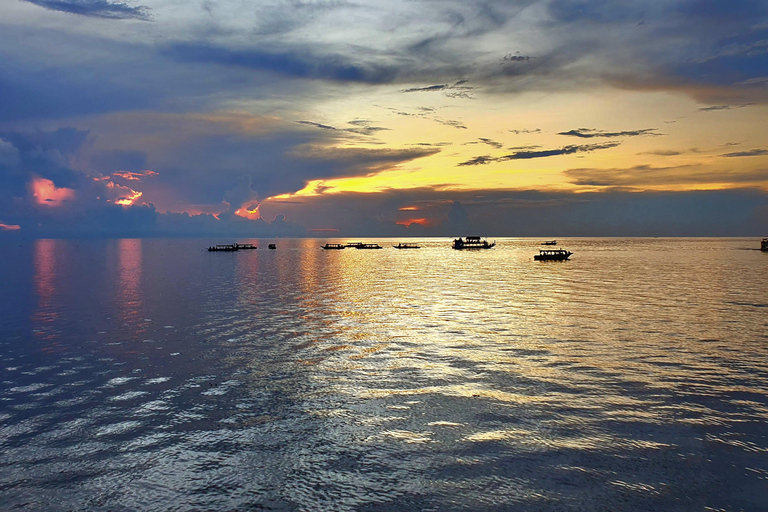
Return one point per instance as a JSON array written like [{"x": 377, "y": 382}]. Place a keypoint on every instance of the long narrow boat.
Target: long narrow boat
[
  {"x": 472, "y": 242},
  {"x": 552, "y": 255},
  {"x": 368, "y": 246},
  {"x": 549, "y": 242},
  {"x": 223, "y": 248},
  {"x": 406, "y": 246},
  {"x": 329, "y": 247},
  {"x": 355, "y": 245},
  {"x": 244, "y": 246}
]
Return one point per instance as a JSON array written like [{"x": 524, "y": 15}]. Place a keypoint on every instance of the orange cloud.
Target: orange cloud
[
  {"x": 253, "y": 214},
  {"x": 46, "y": 192},
  {"x": 422, "y": 222},
  {"x": 122, "y": 195},
  {"x": 134, "y": 176},
  {"x": 9, "y": 227}
]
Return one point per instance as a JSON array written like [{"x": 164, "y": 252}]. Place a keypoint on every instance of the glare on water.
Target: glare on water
[{"x": 154, "y": 375}]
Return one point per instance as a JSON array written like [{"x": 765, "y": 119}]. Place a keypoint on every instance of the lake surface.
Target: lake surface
[{"x": 154, "y": 375}]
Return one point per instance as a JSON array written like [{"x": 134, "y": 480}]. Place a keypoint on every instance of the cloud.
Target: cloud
[
  {"x": 518, "y": 132},
  {"x": 492, "y": 143},
  {"x": 96, "y": 9},
  {"x": 588, "y": 133},
  {"x": 649, "y": 176},
  {"x": 524, "y": 155},
  {"x": 298, "y": 62},
  {"x": 752, "y": 152}
]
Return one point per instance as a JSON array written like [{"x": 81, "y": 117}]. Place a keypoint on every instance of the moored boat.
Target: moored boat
[
  {"x": 333, "y": 246},
  {"x": 472, "y": 242},
  {"x": 552, "y": 255},
  {"x": 406, "y": 246},
  {"x": 223, "y": 248}
]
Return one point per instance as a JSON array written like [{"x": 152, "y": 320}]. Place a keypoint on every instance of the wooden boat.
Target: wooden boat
[
  {"x": 552, "y": 255},
  {"x": 333, "y": 246},
  {"x": 244, "y": 246},
  {"x": 472, "y": 242},
  {"x": 272, "y": 246},
  {"x": 223, "y": 248},
  {"x": 549, "y": 242},
  {"x": 355, "y": 244},
  {"x": 764, "y": 244},
  {"x": 406, "y": 246},
  {"x": 368, "y": 246}
]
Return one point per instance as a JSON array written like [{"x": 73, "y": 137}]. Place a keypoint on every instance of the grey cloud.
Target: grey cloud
[
  {"x": 714, "y": 108},
  {"x": 752, "y": 152},
  {"x": 491, "y": 143},
  {"x": 645, "y": 175},
  {"x": 518, "y": 132},
  {"x": 96, "y": 9},
  {"x": 317, "y": 125},
  {"x": 588, "y": 133},
  {"x": 524, "y": 155}
]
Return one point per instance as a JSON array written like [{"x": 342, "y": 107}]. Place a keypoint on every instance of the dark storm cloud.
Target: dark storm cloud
[
  {"x": 752, "y": 152},
  {"x": 738, "y": 212},
  {"x": 293, "y": 63},
  {"x": 589, "y": 133},
  {"x": 525, "y": 155},
  {"x": 95, "y": 8}
]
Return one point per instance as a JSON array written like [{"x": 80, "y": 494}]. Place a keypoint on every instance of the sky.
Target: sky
[{"x": 337, "y": 118}]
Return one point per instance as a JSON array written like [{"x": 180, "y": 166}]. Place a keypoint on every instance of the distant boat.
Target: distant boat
[
  {"x": 333, "y": 246},
  {"x": 355, "y": 244},
  {"x": 368, "y": 246},
  {"x": 764, "y": 244},
  {"x": 549, "y": 242},
  {"x": 406, "y": 246},
  {"x": 223, "y": 248},
  {"x": 272, "y": 246},
  {"x": 231, "y": 247},
  {"x": 472, "y": 242},
  {"x": 552, "y": 255}
]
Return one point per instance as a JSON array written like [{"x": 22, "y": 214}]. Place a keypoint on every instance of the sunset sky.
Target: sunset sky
[{"x": 401, "y": 118}]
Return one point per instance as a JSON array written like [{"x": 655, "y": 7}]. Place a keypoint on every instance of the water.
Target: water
[{"x": 153, "y": 375}]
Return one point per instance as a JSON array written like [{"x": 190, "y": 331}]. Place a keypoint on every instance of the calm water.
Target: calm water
[{"x": 153, "y": 375}]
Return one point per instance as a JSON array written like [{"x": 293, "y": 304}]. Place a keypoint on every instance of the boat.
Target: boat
[
  {"x": 549, "y": 242},
  {"x": 406, "y": 246},
  {"x": 223, "y": 248},
  {"x": 244, "y": 246},
  {"x": 355, "y": 244},
  {"x": 472, "y": 242},
  {"x": 764, "y": 244},
  {"x": 368, "y": 246},
  {"x": 333, "y": 246},
  {"x": 272, "y": 246},
  {"x": 552, "y": 255}
]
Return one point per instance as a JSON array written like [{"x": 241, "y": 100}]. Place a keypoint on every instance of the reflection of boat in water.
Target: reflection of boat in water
[
  {"x": 406, "y": 246},
  {"x": 552, "y": 255},
  {"x": 272, "y": 246},
  {"x": 472, "y": 242},
  {"x": 549, "y": 242},
  {"x": 764, "y": 244},
  {"x": 333, "y": 246},
  {"x": 230, "y": 247},
  {"x": 368, "y": 246}
]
